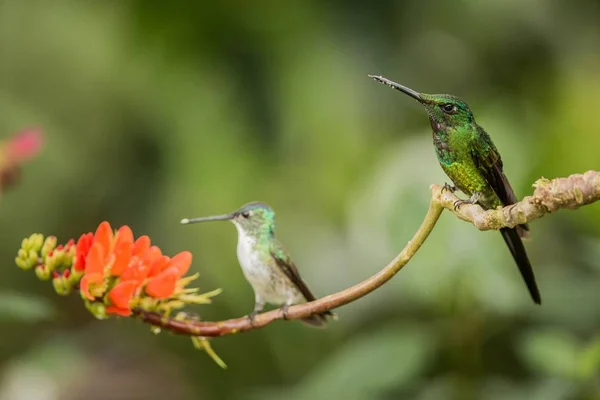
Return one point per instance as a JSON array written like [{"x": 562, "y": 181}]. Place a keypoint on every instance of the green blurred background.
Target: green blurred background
[{"x": 155, "y": 111}]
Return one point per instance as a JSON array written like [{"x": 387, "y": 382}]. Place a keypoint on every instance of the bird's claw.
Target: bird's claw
[
  {"x": 448, "y": 187},
  {"x": 459, "y": 203},
  {"x": 471, "y": 200},
  {"x": 284, "y": 309},
  {"x": 252, "y": 316}
]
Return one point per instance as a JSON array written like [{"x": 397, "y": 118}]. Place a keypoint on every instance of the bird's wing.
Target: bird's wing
[
  {"x": 488, "y": 161},
  {"x": 288, "y": 267}
]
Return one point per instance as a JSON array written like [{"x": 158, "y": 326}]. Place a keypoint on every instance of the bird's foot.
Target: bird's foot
[
  {"x": 252, "y": 316},
  {"x": 448, "y": 187},
  {"x": 459, "y": 203},
  {"x": 284, "y": 309},
  {"x": 474, "y": 199}
]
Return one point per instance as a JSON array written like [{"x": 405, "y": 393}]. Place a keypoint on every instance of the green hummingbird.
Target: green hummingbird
[
  {"x": 265, "y": 263},
  {"x": 468, "y": 156}
]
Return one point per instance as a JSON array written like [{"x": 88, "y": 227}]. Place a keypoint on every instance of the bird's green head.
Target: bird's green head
[
  {"x": 251, "y": 219},
  {"x": 445, "y": 111}
]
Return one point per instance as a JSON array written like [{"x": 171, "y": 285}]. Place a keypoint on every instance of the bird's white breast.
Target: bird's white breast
[
  {"x": 266, "y": 279},
  {"x": 248, "y": 257}
]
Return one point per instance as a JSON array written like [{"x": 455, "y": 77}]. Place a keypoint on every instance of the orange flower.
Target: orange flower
[
  {"x": 104, "y": 236},
  {"x": 159, "y": 265},
  {"x": 81, "y": 250},
  {"x": 163, "y": 280},
  {"x": 162, "y": 285},
  {"x": 136, "y": 264},
  {"x": 182, "y": 262},
  {"x": 137, "y": 270},
  {"x": 94, "y": 270},
  {"x": 120, "y": 296},
  {"x": 141, "y": 245},
  {"x": 122, "y": 250}
]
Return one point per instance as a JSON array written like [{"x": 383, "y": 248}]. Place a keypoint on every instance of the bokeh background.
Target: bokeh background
[{"x": 155, "y": 111}]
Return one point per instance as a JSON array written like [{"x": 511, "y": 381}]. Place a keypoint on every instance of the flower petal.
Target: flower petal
[
  {"x": 137, "y": 270},
  {"x": 122, "y": 293},
  {"x": 159, "y": 265},
  {"x": 141, "y": 245},
  {"x": 79, "y": 263},
  {"x": 86, "y": 280},
  {"x": 162, "y": 285},
  {"x": 122, "y": 250},
  {"x": 182, "y": 262},
  {"x": 84, "y": 287},
  {"x": 104, "y": 236},
  {"x": 82, "y": 249},
  {"x": 94, "y": 262},
  {"x": 153, "y": 254},
  {"x": 124, "y": 235},
  {"x": 123, "y": 312}
]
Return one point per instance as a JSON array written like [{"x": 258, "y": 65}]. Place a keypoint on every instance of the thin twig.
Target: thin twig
[
  {"x": 549, "y": 196},
  {"x": 231, "y": 326}
]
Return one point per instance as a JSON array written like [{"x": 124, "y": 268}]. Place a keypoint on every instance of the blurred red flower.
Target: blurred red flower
[
  {"x": 14, "y": 151},
  {"x": 24, "y": 145}
]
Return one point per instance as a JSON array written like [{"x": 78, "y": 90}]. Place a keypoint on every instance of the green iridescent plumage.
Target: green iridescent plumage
[{"x": 468, "y": 156}]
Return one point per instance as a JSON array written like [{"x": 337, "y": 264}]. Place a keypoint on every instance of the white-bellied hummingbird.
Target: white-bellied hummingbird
[{"x": 265, "y": 263}]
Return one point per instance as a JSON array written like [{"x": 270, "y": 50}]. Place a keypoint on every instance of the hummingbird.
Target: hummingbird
[
  {"x": 265, "y": 263},
  {"x": 470, "y": 159}
]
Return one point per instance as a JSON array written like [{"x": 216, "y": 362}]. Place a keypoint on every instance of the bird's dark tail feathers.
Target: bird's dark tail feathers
[
  {"x": 512, "y": 237},
  {"x": 318, "y": 320}
]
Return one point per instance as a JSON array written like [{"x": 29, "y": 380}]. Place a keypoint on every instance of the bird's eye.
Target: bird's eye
[
  {"x": 246, "y": 214},
  {"x": 449, "y": 108}
]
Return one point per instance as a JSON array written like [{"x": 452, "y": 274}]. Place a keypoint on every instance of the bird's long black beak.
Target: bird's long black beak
[
  {"x": 223, "y": 217},
  {"x": 397, "y": 86}
]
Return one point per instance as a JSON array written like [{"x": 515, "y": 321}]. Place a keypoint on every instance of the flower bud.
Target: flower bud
[
  {"x": 61, "y": 285},
  {"x": 32, "y": 258},
  {"x": 97, "y": 309},
  {"x": 36, "y": 241},
  {"x": 42, "y": 272},
  {"x": 22, "y": 263},
  {"x": 22, "y": 259},
  {"x": 48, "y": 246},
  {"x": 75, "y": 275}
]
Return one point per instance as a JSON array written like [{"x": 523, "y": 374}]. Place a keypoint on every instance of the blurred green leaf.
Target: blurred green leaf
[
  {"x": 588, "y": 365},
  {"x": 542, "y": 389},
  {"x": 156, "y": 112},
  {"x": 372, "y": 363},
  {"x": 552, "y": 352},
  {"x": 24, "y": 308}
]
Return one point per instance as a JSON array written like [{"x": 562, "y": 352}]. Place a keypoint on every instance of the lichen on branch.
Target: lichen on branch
[{"x": 549, "y": 196}]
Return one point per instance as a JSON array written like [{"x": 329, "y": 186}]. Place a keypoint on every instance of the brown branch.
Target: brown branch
[
  {"x": 221, "y": 328},
  {"x": 549, "y": 196}
]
